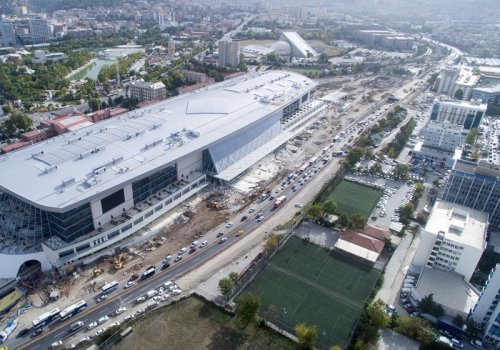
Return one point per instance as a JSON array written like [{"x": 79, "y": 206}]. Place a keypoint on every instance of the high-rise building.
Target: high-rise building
[
  {"x": 486, "y": 313},
  {"x": 466, "y": 113},
  {"x": 39, "y": 29},
  {"x": 8, "y": 33},
  {"x": 453, "y": 239},
  {"x": 447, "y": 80},
  {"x": 477, "y": 186},
  {"x": 229, "y": 53},
  {"x": 443, "y": 136}
]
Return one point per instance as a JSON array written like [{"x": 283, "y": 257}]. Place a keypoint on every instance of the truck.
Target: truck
[
  {"x": 279, "y": 201},
  {"x": 151, "y": 293}
]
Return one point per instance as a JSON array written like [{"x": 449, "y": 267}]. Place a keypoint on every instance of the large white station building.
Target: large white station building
[{"x": 78, "y": 196}]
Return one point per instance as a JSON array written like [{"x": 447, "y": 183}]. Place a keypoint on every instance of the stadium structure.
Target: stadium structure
[{"x": 84, "y": 194}]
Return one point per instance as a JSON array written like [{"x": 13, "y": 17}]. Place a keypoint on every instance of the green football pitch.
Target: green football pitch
[
  {"x": 353, "y": 198},
  {"x": 307, "y": 283}
]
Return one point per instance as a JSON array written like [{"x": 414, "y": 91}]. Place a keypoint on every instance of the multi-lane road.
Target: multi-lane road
[{"x": 125, "y": 297}]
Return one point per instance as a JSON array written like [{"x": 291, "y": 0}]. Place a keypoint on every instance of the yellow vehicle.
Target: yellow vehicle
[
  {"x": 4, "y": 348},
  {"x": 240, "y": 232}
]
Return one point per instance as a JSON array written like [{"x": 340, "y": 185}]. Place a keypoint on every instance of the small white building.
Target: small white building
[
  {"x": 448, "y": 289},
  {"x": 453, "y": 239}
]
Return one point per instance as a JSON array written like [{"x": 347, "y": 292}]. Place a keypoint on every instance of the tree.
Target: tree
[
  {"x": 416, "y": 328},
  {"x": 335, "y": 347},
  {"x": 377, "y": 315},
  {"x": 94, "y": 104},
  {"x": 343, "y": 220},
  {"x": 401, "y": 171},
  {"x": 471, "y": 137},
  {"x": 459, "y": 321},
  {"x": 234, "y": 277},
  {"x": 315, "y": 211},
  {"x": 428, "y": 306},
  {"x": 323, "y": 58},
  {"x": 329, "y": 206},
  {"x": 357, "y": 221},
  {"x": 271, "y": 243},
  {"x": 459, "y": 94},
  {"x": 226, "y": 285},
  {"x": 406, "y": 213},
  {"x": 307, "y": 336},
  {"x": 247, "y": 307}
]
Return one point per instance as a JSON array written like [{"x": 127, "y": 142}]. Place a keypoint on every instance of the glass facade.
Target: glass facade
[
  {"x": 22, "y": 226},
  {"x": 476, "y": 192},
  {"x": 153, "y": 183},
  {"x": 71, "y": 224}
]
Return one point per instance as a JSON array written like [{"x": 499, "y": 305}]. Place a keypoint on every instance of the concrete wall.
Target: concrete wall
[
  {"x": 96, "y": 208},
  {"x": 11, "y": 263},
  {"x": 189, "y": 165}
]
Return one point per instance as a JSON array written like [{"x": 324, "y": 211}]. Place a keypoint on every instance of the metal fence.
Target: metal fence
[{"x": 263, "y": 260}]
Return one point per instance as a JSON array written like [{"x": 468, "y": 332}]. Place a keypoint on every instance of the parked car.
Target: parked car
[
  {"x": 165, "y": 266},
  {"x": 103, "y": 319},
  {"x": 129, "y": 284},
  {"x": 92, "y": 325},
  {"x": 120, "y": 310},
  {"x": 220, "y": 234},
  {"x": 476, "y": 343}
]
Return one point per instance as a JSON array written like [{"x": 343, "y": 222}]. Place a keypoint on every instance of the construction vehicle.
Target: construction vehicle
[
  {"x": 97, "y": 271},
  {"x": 119, "y": 260}
]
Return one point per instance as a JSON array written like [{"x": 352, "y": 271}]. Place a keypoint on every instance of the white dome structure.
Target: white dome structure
[{"x": 282, "y": 48}]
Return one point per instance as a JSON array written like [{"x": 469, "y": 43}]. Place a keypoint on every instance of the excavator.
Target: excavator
[{"x": 119, "y": 260}]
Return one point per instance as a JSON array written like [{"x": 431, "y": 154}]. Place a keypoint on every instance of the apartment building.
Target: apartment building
[{"x": 453, "y": 239}]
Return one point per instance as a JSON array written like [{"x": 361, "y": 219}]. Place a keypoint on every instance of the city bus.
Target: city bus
[
  {"x": 108, "y": 288},
  {"x": 73, "y": 310},
  {"x": 46, "y": 318}
]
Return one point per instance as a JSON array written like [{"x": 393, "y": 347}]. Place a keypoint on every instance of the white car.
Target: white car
[
  {"x": 114, "y": 324},
  {"x": 298, "y": 205},
  {"x": 194, "y": 244},
  {"x": 182, "y": 251},
  {"x": 176, "y": 292},
  {"x": 71, "y": 346},
  {"x": 99, "y": 332},
  {"x": 120, "y": 310},
  {"x": 260, "y": 218},
  {"x": 167, "y": 258},
  {"x": 56, "y": 344},
  {"x": 129, "y": 284},
  {"x": 203, "y": 244},
  {"x": 103, "y": 319},
  {"x": 92, "y": 325},
  {"x": 252, "y": 209},
  {"x": 161, "y": 290},
  {"x": 229, "y": 225},
  {"x": 140, "y": 312},
  {"x": 84, "y": 340},
  {"x": 140, "y": 299},
  {"x": 128, "y": 317},
  {"x": 168, "y": 284}
]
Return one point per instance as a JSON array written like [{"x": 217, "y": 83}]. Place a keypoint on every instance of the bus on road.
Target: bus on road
[
  {"x": 73, "y": 310},
  {"x": 108, "y": 288}
]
